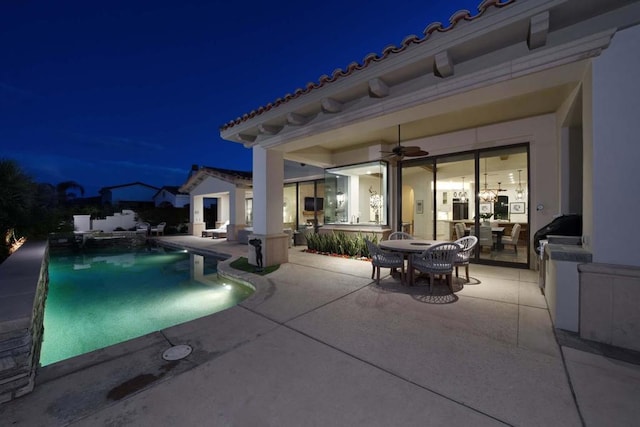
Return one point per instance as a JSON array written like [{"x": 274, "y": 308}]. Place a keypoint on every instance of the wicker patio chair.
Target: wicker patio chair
[
  {"x": 467, "y": 245},
  {"x": 438, "y": 259},
  {"x": 384, "y": 259},
  {"x": 400, "y": 235}
]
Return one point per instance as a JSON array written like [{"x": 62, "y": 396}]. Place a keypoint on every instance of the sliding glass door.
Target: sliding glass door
[
  {"x": 484, "y": 191},
  {"x": 418, "y": 205},
  {"x": 503, "y": 225}
]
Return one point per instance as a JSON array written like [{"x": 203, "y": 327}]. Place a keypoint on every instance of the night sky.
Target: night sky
[{"x": 111, "y": 92}]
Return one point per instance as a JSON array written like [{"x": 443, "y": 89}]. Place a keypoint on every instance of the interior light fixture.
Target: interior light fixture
[
  {"x": 486, "y": 195},
  {"x": 519, "y": 189},
  {"x": 463, "y": 194}
]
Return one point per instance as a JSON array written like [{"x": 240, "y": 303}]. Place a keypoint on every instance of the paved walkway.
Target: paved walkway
[{"x": 320, "y": 343}]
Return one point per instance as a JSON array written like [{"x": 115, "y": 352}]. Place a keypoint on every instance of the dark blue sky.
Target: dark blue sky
[{"x": 107, "y": 93}]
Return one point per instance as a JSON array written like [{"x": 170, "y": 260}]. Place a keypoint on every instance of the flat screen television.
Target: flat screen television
[{"x": 309, "y": 205}]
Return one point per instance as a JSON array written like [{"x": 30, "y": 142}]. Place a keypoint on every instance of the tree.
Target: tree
[
  {"x": 17, "y": 191},
  {"x": 64, "y": 191}
]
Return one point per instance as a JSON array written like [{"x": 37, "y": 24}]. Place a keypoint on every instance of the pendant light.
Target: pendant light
[
  {"x": 463, "y": 194},
  {"x": 519, "y": 189},
  {"x": 486, "y": 195}
]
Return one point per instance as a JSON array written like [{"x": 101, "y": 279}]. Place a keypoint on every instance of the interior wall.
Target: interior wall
[
  {"x": 615, "y": 106},
  {"x": 407, "y": 204},
  {"x": 416, "y": 188}
]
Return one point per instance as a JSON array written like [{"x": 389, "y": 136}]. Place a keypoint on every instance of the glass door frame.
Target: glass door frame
[{"x": 477, "y": 156}]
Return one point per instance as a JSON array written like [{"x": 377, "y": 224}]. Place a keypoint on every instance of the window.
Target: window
[
  {"x": 248, "y": 211},
  {"x": 356, "y": 194}
]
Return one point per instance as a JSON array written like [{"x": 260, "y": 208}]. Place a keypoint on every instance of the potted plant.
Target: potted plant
[{"x": 485, "y": 217}]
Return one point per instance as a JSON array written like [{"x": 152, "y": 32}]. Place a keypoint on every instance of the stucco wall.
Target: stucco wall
[
  {"x": 212, "y": 186},
  {"x": 616, "y": 129}
]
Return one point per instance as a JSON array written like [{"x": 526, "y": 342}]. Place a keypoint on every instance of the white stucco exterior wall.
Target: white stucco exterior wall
[
  {"x": 616, "y": 149},
  {"x": 225, "y": 192},
  {"x": 268, "y": 180}
]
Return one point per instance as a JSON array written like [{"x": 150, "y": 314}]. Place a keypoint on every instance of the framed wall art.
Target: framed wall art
[
  {"x": 517, "y": 207},
  {"x": 485, "y": 208}
]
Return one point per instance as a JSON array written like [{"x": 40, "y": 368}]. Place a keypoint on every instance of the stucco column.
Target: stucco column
[
  {"x": 223, "y": 209},
  {"x": 614, "y": 106},
  {"x": 268, "y": 183},
  {"x": 236, "y": 213},
  {"x": 196, "y": 215}
]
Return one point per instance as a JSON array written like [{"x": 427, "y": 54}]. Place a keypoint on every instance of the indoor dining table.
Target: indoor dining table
[
  {"x": 409, "y": 247},
  {"x": 498, "y": 232}
]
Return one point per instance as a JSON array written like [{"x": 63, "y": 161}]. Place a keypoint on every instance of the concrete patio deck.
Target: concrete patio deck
[{"x": 319, "y": 343}]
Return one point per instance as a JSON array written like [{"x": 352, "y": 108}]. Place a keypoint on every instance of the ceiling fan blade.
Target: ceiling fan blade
[
  {"x": 410, "y": 148},
  {"x": 419, "y": 153}
]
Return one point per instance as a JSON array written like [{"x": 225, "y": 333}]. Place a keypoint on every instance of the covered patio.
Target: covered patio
[
  {"x": 551, "y": 78},
  {"x": 231, "y": 189}
]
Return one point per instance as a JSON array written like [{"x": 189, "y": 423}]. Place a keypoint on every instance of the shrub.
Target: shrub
[{"x": 340, "y": 243}]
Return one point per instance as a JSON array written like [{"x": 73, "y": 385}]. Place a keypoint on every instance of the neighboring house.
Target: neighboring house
[
  {"x": 233, "y": 192},
  {"x": 170, "y": 196},
  {"x": 231, "y": 188},
  {"x": 522, "y": 109},
  {"x": 133, "y": 195}
]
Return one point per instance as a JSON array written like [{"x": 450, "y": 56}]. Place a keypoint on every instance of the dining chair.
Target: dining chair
[
  {"x": 459, "y": 229},
  {"x": 400, "y": 235},
  {"x": 485, "y": 237},
  {"x": 513, "y": 239},
  {"x": 438, "y": 259},
  {"x": 467, "y": 245},
  {"x": 381, "y": 258}
]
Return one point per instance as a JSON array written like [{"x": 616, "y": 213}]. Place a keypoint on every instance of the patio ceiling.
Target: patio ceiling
[{"x": 543, "y": 93}]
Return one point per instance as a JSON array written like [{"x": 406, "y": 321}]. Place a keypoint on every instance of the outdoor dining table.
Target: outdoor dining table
[{"x": 409, "y": 247}]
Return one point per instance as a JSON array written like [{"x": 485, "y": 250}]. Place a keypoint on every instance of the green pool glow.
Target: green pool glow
[{"x": 99, "y": 299}]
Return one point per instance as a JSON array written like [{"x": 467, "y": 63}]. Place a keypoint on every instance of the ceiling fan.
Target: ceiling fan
[{"x": 400, "y": 151}]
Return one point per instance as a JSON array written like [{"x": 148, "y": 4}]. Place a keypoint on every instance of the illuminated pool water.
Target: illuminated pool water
[{"x": 99, "y": 299}]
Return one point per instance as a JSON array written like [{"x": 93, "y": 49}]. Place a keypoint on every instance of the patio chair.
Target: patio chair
[
  {"x": 513, "y": 239},
  {"x": 220, "y": 231},
  {"x": 400, "y": 235},
  {"x": 158, "y": 229},
  {"x": 143, "y": 227},
  {"x": 384, "y": 259},
  {"x": 467, "y": 244},
  {"x": 438, "y": 259}
]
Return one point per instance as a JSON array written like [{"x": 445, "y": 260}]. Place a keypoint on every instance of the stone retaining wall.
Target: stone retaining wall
[{"x": 24, "y": 281}]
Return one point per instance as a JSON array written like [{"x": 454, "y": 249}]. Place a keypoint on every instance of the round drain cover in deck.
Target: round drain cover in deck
[{"x": 177, "y": 352}]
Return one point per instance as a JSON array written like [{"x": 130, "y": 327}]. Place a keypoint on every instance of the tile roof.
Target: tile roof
[
  {"x": 461, "y": 15},
  {"x": 199, "y": 174},
  {"x": 231, "y": 172},
  {"x": 173, "y": 189},
  {"x": 131, "y": 184}
]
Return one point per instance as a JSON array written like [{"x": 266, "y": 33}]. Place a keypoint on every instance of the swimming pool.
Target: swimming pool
[{"x": 102, "y": 298}]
